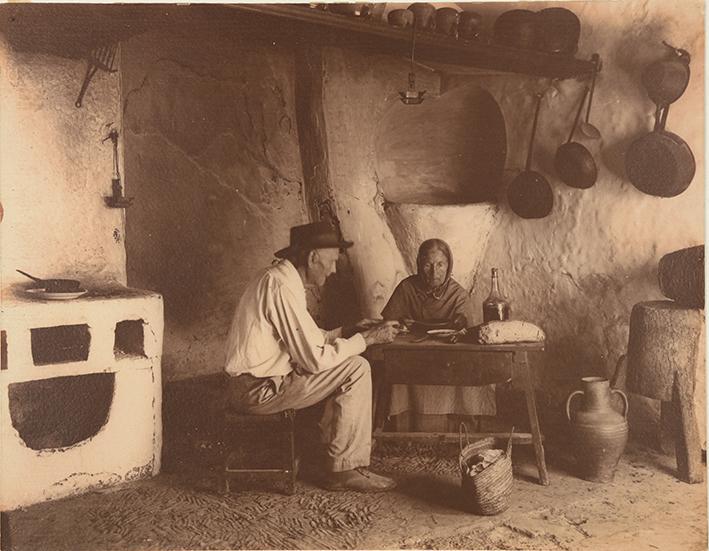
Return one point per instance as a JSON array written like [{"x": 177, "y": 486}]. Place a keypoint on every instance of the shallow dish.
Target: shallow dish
[
  {"x": 39, "y": 292},
  {"x": 432, "y": 324},
  {"x": 441, "y": 333}
]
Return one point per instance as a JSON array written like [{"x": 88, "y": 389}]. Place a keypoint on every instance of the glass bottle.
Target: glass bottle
[{"x": 495, "y": 307}]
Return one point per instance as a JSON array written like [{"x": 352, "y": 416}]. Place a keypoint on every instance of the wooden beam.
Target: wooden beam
[
  {"x": 521, "y": 438},
  {"x": 377, "y": 36}
]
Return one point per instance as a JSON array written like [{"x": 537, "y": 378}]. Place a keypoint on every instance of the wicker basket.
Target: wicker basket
[{"x": 488, "y": 491}]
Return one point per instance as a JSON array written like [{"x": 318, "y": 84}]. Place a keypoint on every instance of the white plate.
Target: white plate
[
  {"x": 441, "y": 333},
  {"x": 41, "y": 293}
]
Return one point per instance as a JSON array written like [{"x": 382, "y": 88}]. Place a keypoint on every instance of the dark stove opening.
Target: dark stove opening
[
  {"x": 60, "y": 344},
  {"x": 60, "y": 411},
  {"x": 129, "y": 339}
]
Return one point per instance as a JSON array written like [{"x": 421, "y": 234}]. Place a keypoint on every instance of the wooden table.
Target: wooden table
[{"x": 410, "y": 361}]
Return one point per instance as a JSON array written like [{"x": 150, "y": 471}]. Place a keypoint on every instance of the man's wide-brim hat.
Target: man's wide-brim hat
[{"x": 317, "y": 235}]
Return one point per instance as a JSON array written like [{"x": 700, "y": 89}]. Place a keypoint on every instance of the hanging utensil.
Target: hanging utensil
[
  {"x": 412, "y": 96},
  {"x": 529, "y": 194},
  {"x": 99, "y": 58},
  {"x": 116, "y": 199},
  {"x": 55, "y": 285},
  {"x": 573, "y": 162},
  {"x": 660, "y": 163},
  {"x": 667, "y": 79},
  {"x": 587, "y": 129}
]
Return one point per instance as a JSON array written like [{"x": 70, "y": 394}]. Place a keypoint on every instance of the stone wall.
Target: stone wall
[{"x": 212, "y": 154}]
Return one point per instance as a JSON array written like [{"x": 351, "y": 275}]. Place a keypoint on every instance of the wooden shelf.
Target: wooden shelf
[{"x": 324, "y": 27}]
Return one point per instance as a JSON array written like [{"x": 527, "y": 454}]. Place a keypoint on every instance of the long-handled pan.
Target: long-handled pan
[
  {"x": 660, "y": 163},
  {"x": 56, "y": 285},
  {"x": 586, "y": 128},
  {"x": 573, "y": 162},
  {"x": 529, "y": 194}
]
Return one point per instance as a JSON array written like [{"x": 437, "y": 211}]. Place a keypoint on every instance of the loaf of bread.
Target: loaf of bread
[{"x": 501, "y": 332}]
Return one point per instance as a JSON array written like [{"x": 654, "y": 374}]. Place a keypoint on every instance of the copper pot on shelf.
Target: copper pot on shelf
[
  {"x": 355, "y": 10},
  {"x": 447, "y": 21},
  {"x": 558, "y": 31},
  {"x": 424, "y": 16},
  {"x": 517, "y": 29},
  {"x": 401, "y": 18},
  {"x": 469, "y": 25}
]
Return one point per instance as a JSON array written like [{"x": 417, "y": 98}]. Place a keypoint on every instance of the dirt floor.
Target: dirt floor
[{"x": 646, "y": 507}]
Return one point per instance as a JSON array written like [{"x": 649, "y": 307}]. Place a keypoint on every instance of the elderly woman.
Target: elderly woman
[{"x": 433, "y": 294}]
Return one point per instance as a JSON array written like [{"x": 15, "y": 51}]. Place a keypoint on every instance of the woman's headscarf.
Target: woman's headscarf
[{"x": 426, "y": 247}]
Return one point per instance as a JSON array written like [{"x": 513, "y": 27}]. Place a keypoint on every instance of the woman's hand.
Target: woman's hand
[{"x": 460, "y": 321}]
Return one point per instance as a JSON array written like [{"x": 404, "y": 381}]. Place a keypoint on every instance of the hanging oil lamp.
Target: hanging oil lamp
[
  {"x": 116, "y": 200},
  {"x": 412, "y": 96}
]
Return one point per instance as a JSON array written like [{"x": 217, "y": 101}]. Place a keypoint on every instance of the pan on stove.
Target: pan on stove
[{"x": 55, "y": 285}]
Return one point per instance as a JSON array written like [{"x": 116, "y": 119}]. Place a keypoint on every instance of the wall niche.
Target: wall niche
[{"x": 450, "y": 149}]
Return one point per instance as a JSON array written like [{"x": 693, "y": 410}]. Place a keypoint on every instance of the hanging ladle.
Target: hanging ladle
[
  {"x": 586, "y": 128},
  {"x": 529, "y": 194},
  {"x": 573, "y": 162}
]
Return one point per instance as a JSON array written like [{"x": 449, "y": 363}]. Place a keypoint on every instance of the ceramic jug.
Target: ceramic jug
[{"x": 599, "y": 432}]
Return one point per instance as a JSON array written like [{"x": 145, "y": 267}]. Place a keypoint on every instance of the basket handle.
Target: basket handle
[
  {"x": 463, "y": 429},
  {"x": 509, "y": 442}
]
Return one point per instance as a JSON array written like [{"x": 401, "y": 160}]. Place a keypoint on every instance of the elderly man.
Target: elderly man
[{"x": 279, "y": 359}]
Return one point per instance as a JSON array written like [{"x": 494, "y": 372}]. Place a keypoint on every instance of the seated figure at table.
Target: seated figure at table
[
  {"x": 277, "y": 358},
  {"x": 429, "y": 294}
]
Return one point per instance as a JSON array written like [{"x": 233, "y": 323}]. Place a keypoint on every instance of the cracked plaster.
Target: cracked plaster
[
  {"x": 212, "y": 146},
  {"x": 55, "y": 170}
]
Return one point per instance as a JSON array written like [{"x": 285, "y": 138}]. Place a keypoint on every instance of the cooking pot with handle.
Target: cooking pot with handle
[
  {"x": 667, "y": 79},
  {"x": 573, "y": 162},
  {"x": 660, "y": 163}
]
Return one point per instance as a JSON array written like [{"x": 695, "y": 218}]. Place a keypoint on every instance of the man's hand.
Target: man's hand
[
  {"x": 366, "y": 323},
  {"x": 382, "y": 333},
  {"x": 360, "y": 326}
]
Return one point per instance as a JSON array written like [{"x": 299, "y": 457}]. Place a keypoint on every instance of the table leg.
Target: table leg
[
  {"x": 523, "y": 364},
  {"x": 382, "y": 401}
]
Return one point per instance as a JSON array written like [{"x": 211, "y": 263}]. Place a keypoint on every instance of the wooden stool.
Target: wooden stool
[
  {"x": 665, "y": 349},
  {"x": 242, "y": 430}
]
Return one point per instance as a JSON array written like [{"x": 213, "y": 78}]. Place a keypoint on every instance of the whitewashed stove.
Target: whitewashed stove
[{"x": 81, "y": 393}]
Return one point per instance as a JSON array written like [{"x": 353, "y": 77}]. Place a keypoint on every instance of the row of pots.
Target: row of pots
[{"x": 551, "y": 30}]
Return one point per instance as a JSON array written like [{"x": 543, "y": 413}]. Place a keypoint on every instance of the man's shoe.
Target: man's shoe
[{"x": 359, "y": 480}]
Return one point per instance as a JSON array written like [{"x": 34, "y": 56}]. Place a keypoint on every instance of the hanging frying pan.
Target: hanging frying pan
[
  {"x": 573, "y": 162},
  {"x": 529, "y": 194},
  {"x": 667, "y": 79},
  {"x": 660, "y": 163}
]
